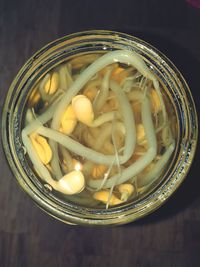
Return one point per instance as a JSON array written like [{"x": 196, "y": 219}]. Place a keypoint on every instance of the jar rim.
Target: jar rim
[{"x": 121, "y": 214}]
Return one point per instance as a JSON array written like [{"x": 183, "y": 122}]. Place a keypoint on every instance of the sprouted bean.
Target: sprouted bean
[{"x": 104, "y": 132}]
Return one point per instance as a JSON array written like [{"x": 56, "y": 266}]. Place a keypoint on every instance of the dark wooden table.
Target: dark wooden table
[{"x": 170, "y": 236}]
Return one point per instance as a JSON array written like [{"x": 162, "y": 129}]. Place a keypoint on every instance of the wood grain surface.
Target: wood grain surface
[{"x": 168, "y": 237}]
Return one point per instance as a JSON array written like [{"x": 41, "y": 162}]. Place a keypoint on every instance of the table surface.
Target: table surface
[{"x": 168, "y": 237}]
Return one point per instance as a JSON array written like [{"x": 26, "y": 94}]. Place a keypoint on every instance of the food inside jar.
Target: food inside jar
[{"x": 99, "y": 129}]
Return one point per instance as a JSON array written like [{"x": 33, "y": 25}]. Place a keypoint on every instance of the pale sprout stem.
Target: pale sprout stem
[
  {"x": 154, "y": 173},
  {"x": 106, "y": 117},
  {"x": 123, "y": 56},
  {"x": 78, "y": 131},
  {"x": 67, "y": 157},
  {"x": 87, "y": 167},
  {"x": 106, "y": 133},
  {"x": 104, "y": 92},
  {"x": 136, "y": 95},
  {"x": 130, "y": 82},
  {"x": 76, "y": 147},
  {"x": 41, "y": 120},
  {"x": 89, "y": 139},
  {"x": 68, "y": 74},
  {"x": 106, "y": 175},
  {"x": 93, "y": 155},
  {"x": 55, "y": 160},
  {"x": 128, "y": 118},
  {"x": 117, "y": 161},
  {"x": 63, "y": 77},
  {"x": 143, "y": 161}
]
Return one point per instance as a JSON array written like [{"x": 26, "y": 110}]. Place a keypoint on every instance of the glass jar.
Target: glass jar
[{"x": 77, "y": 44}]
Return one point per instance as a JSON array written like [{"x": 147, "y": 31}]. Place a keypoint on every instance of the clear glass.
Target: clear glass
[{"x": 77, "y": 44}]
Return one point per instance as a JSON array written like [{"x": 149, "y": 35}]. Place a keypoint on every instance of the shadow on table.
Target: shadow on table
[{"x": 189, "y": 191}]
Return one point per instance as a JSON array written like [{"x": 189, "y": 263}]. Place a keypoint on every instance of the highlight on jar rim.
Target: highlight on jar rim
[{"x": 99, "y": 129}]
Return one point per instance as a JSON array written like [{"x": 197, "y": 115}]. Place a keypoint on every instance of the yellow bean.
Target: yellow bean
[
  {"x": 140, "y": 132},
  {"x": 126, "y": 191},
  {"x": 119, "y": 74},
  {"x": 98, "y": 171},
  {"x": 83, "y": 109},
  {"x": 155, "y": 101},
  {"x": 77, "y": 166},
  {"x": 68, "y": 120},
  {"x": 41, "y": 147},
  {"x": 103, "y": 196},
  {"x": 71, "y": 183},
  {"x": 34, "y": 97},
  {"x": 52, "y": 84}
]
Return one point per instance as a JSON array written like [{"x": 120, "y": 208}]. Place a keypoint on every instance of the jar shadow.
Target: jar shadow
[{"x": 188, "y": 65}]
